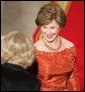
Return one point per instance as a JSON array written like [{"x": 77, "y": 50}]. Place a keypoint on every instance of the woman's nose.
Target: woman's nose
[{"x": 48, "y": 31}]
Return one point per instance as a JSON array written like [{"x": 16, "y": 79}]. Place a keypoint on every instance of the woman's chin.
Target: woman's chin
[{"x": 49, "y": 40}]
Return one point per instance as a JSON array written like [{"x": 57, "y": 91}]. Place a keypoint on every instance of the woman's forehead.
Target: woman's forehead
[{"x": 53, "y": 23}]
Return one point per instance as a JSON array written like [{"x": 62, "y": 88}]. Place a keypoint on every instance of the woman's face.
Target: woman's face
[{"x": 50, "y": 31}]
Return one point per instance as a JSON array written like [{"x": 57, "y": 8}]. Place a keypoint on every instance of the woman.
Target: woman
[
  {"x": 56, "y": 56},
  {"x": 17, "y": 53}
]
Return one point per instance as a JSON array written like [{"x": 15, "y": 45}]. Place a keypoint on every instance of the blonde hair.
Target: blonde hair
[{"x": 18, "y": 49}]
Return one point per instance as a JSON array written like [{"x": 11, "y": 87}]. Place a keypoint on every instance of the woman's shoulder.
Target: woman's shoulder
[
  {"x": 67, "y": 43},
  {"x": 39, "y": 45}
]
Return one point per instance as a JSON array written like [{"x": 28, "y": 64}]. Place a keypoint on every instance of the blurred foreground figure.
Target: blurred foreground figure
[{"x": 17, "y": 53}]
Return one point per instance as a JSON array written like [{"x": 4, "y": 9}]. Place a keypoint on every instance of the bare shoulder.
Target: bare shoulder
[
  {"x": 39, "y": 45},
  {"x": 66, "y": 43}
]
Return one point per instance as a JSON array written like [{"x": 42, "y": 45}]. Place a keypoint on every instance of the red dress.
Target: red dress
[{"x": 58, "y": 70}]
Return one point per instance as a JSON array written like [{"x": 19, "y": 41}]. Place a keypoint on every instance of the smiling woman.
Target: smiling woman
[
  {"x": 55, "y": 55},
  {"x": 50, "y": 31}
]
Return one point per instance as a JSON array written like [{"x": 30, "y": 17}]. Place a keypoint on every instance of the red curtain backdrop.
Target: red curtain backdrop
[{"x": 74, "y": 31}]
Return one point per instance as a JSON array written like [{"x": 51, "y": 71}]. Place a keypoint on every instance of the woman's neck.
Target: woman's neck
[{"x": 54, "y": 45}]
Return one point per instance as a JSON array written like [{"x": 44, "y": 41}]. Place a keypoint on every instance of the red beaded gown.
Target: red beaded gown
[{"x": 58, "y": 70}]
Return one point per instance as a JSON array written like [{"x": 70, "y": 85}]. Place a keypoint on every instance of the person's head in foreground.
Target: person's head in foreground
[
  {"x": 17, "y": 49},
  {"x": 17, "y": 53}
]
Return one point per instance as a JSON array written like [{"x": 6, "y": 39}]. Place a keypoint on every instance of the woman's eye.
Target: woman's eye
[{"x": 44, "y": 27}]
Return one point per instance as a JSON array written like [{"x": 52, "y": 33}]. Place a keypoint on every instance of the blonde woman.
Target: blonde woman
[{"x": 17, "y": 53}]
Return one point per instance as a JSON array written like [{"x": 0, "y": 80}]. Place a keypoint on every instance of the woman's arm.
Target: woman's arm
[{"x": 73, "y": 80}]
